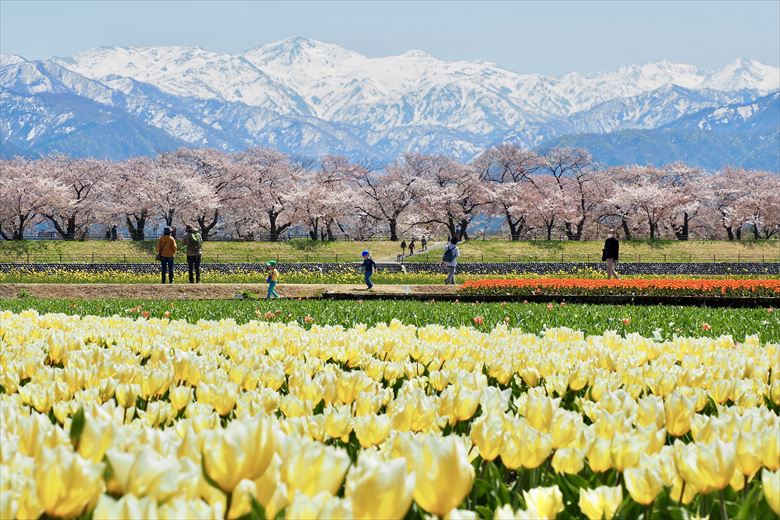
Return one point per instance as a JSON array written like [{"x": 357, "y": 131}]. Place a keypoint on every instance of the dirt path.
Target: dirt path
[
  {"x": 432, "y": 246},
  {"x": 212, "y": 291}
]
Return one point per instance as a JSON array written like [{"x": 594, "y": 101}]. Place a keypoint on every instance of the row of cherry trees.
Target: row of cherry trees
[{"x": 263, "y": 191}]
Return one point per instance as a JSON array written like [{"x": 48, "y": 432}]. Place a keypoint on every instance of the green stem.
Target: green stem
[
  {"x": 723, "y": 514},
  {"x": 682, "y": 492},
  {"x": 228, "y": 503},
  {"x": 649, "y": 511}
]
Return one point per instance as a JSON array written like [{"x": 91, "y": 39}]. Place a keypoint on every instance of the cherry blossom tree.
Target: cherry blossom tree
[
  {"x": 85, "y": 181},
  {"x": 226, "y": 178},
  {"x": 26, "y": 191},
  {"x": 510, "y": 169},
  {"x": 571, "y": 169},
  {"x": 273, "y": 180},
  {"x": 386, "y": 196}
]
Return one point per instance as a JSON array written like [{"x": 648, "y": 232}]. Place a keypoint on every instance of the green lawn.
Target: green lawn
[
  {"x": 302, "y": 250},
  {"x": 630, "y": 251},
  {"x": 298, "y": 250},
  {"x": 593, "y": 319}
]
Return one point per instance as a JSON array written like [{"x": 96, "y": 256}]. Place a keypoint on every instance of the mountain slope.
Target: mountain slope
[
  {"x": 309, "y": 97},
  {"x": 742, "y": 134}
]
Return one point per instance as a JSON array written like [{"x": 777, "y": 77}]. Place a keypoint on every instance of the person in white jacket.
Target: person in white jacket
[{"x": 450, "y": 260}]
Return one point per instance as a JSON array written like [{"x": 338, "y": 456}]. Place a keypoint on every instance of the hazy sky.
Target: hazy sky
[{"x": 543, "y": 37}]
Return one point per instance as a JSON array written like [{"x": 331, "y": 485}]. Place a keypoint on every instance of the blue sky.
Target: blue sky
[{"x": 529, "y": 37}]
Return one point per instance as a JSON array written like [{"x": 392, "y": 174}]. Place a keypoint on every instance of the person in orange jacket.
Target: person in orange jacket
[{"x": 166, "y": 250}]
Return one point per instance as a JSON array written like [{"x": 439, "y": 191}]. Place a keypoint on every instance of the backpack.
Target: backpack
[
  {"x": 197, "y": 239},
  {"x": 449, "y": 255}
]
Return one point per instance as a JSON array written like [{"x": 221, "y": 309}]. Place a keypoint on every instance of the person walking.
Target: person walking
[
  {"x": 450, "y": 260},
  {"x": 610, "y": 254},
  {"x": 166, "y": 250},
  {"x": 272, "y": 279},
  {"x": 403, "y": 248},
  {"x": 113, "y": 232},
  {"x": 369, "y": 266},
  {"x": 193, "y": 241},
  {"x": 424, "y": 243},
  {"x": 411, "y": 248}
]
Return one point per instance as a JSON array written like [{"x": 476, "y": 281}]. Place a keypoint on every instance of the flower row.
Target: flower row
[{"x": 153, "y": 418}]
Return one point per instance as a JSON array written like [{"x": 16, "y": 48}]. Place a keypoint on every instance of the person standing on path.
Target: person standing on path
[
  {"x": 411, "y": 248},
  {"x": 450, "y": 260},
  {"x": 610, "y": 254},
  {"x": 166, "y": 250},
  {"x": 369, "y": 266},
  {"x": 403, "y": 248},
  {"x": 193, "y": 241},
  {"x": 272, "y": 279},
  {"x": 424, "y": 243}
]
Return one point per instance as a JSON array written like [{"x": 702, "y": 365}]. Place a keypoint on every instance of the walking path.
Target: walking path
[{"x": 432, "y": 246}]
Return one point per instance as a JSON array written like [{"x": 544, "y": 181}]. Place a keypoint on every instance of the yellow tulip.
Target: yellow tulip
[
  {"x": 487, "y": 434},
  {"x": 321, "y": 506},
  {"x": 380, "y": 489},
  {"x": 178, "y": 508},
  {"x": 546, "y": 502},
  {"x": 600, "y": 455},
  {"x": 568, "y": 460},
  {"x": 144, "y": 473},
  {"x": 539, "y": 410},
  {"x": 770, "y": 480},
  {"x": 524, "y": 446},
  {"x": 180, "y": 397},
  {"x": 565, "y": 427},
  {"x": 643, "y": 484},
  {"x": 443, "y": 474},
  {"x": 240, "y": 451},
  {"x": 601, "y": 502},
  {"x": 126, "y": 394},
  {"x": 128, "y": 507},
  {"x": 748, "y": 453},
  {"x": 770, "y": 448},
  {"x": 67, "y": 484},
  {"x": 95, "y": 438},
  {"x": 679, "y": 411},
  {"x": 371, "y": 430},
  {"x": 313, "y": 468}
]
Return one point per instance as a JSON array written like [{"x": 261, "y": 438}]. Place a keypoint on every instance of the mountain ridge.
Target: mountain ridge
[{"x": 331, "y": 98}]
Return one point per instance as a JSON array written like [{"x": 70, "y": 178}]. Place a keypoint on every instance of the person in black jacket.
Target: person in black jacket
[
  {"x": 369, "y": 266},
  {"x": 610, "y": 254}
]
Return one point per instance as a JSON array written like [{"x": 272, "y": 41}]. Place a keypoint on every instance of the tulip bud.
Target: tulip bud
[
  {"x": 444, "y": 475},
  {"x": 601, "y": 502},
  {"x": 546, "y": 502},
  {"x": 380, "y": 489},
  {"x": 770, "y": 481},
  {"x": 643, "y": 484},
  {"x": 67, "y": 484}
]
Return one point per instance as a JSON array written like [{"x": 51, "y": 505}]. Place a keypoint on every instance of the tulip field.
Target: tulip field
[{"x": 295, "y": 409}]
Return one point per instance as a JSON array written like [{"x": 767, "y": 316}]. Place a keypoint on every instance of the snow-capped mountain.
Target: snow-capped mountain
[
  {"x": 742, "y": 133},
  {"x": 311, "y": 97}
]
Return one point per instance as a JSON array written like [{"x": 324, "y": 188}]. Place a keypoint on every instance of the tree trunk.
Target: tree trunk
[
  {"x": 626, "y": 229},
  {"x": 206, "y": 227},
  {"x": 756, "y": 234},
  {"x": 393, "y": 229},
  {"x": 739, "y": 233},
  {"x": 653, "y": 228},
  {"x": 136, "y": 225},
  {"x": 549, "y": 230},
  {"x": 463, "y": 231},
  {"x": 275, "y": 229},
  {"x": 682, "y": 231},
  {"x": 729, "y": 232}
]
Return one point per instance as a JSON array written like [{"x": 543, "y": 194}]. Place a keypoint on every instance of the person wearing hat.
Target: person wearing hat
[
  {"x": 273, "y": 277},
  {"x": 369, "y": 266},
  {"x": 166, "y": 250},
  {"x": 193, "y": 241}
]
